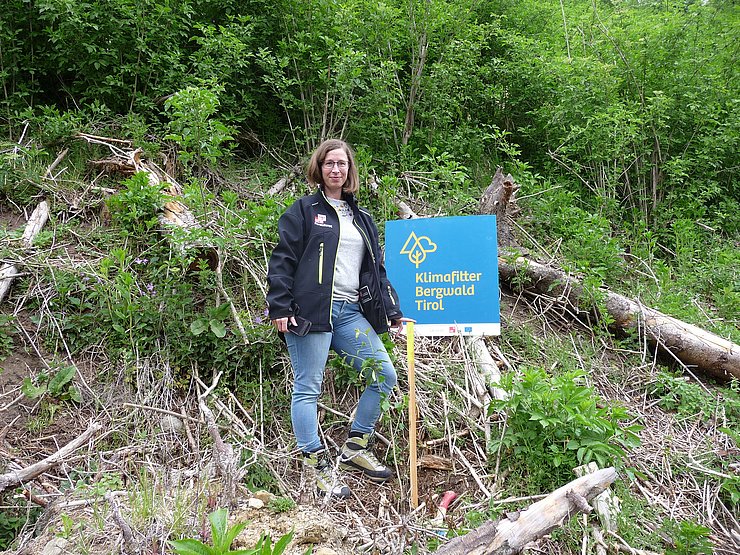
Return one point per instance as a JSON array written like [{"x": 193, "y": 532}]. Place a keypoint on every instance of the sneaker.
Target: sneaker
[
  {"x": 326, "y": 479},
  {"x": 357, "y": 455}
]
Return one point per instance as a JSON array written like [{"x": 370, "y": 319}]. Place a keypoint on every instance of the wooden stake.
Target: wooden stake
[{"x": 412, "y": 414}]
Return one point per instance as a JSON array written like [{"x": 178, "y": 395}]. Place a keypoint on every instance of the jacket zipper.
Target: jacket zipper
[
  {"x": 393, "y": 301},
  {"x": 321, "y": 263},
  {"x": 366, "y": 239}
]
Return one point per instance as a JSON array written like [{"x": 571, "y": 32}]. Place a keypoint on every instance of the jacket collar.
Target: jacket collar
[{"x": 350, "y": 198}]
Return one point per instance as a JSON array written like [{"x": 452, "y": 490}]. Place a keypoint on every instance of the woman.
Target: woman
[{"x": 327, "y": 254}]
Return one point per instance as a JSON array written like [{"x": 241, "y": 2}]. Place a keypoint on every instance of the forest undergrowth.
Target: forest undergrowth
[{"x": 116, "y": 322}]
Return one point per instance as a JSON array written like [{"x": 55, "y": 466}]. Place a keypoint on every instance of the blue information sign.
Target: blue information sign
[{"x": 445, "y": 271}]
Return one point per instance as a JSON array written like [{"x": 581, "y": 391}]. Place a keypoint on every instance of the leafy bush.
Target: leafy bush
[
  {"x": 14, "y": 518},
  {"x": 554, "y": 423},
  {"x": 135, "y": 209},
  {"x": 200, "y": 136},
  {"x": 689, "y": 538},
  {"x": 7, "y": 331}
]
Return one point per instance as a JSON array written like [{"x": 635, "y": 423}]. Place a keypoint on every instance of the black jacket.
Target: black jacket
[{"x": 300, "y": 275}]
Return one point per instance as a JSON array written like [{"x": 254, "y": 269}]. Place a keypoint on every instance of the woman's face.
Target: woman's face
[{"x": 334, "y": 170}]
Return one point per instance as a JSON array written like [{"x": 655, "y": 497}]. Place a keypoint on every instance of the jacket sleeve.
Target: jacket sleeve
[
  {"x": 283, "y": 264},
  {"x": 390, "y": 297}
]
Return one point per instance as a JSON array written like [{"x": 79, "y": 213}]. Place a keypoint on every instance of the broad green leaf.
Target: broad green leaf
[
  {"x": 60, "y": 379},
  {"x": 282, "y": 544},
  {"x": 221, "y": 312},
  {"x": 232, "y": 533},
  {"x": 192, "y": 547},
  {"x": 74, "y": 394},
  {"x": 31, "y": 391},
  {"x": 219, "y": 521},
  {"x": 218, "y": 328},
  {"x": 198, "y": 326}
]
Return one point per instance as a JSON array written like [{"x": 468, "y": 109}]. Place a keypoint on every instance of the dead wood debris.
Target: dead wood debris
[
  {"x": 8, "y": 272},
  {"x": 23, "y": 475}
]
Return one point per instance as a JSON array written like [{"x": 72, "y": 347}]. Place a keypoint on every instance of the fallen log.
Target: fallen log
[
  {"x": 129, "y": 162},
  {"x": 34, "y": 225},
  {"x": 694, "y": 347},
  {"x": 16, "y": 477},
  {"x": 487, "y": 368},
  {"x": 511, "y": 534},
  {"x": 283, "y": 182},
  {"x": 606, "y": 506}
]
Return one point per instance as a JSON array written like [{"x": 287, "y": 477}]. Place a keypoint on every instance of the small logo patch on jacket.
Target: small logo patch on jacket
[{"x": 320, "y": 220}]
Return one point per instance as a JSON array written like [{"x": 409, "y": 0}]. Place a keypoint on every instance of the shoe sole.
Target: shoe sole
[
  {"x": 322, "y": 494},
  {"x": 349, "y": 465}
]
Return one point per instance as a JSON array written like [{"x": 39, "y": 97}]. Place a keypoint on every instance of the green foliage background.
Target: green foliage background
[{"x": 632, "y": 106}]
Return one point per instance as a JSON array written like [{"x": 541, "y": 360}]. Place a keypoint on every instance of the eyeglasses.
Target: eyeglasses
[{"x": 341, "y": 164}]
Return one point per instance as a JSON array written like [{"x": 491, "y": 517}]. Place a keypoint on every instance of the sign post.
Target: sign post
[
  {"x": 445, "y": 271},
  {"x": 412, "y": 414}
]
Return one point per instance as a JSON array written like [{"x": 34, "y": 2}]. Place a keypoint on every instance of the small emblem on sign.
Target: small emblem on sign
[{"x": 417, "y": 248}]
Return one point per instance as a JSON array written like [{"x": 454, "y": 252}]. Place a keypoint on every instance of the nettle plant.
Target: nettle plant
[{"x": 554, "y": 423}]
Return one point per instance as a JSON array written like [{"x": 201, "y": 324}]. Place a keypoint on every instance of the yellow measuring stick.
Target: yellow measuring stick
[{"x": 412, "y": 413}]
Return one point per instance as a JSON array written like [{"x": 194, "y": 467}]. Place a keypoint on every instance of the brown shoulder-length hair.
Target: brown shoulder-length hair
[{"x": 313, "y": 171}]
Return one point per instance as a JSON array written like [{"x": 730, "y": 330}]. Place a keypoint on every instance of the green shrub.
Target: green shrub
[
  {"x": 201, "y": 137},
  {"x": 7, "y": 331},
  {"x": 14, "y": 517},
  {"x": 554, "y": 423},
  {"x": 688, "y": 538},
  {"x": 677, "y": 393},
  {"x": 135, "y": 209}
]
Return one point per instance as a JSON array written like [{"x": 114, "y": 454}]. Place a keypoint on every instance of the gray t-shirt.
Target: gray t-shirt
[{"x": 350, "y": 253}]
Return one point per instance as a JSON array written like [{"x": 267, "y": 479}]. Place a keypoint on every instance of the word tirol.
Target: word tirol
[{"x": 425, "y": 296}]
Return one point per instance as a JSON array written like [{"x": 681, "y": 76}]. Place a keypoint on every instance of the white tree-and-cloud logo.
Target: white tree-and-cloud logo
[{"x": 417, "y": 248}]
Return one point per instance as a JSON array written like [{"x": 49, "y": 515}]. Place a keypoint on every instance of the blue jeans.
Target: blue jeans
[{"x": 353, "y": 339}]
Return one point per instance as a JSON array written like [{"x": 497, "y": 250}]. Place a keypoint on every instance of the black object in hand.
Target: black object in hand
[{"x": 301, "y": 328}]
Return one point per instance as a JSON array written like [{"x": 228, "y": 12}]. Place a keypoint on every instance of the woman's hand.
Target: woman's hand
[
  {"x": 397, "y": 325},
  {"x": 282, "y": 323}
]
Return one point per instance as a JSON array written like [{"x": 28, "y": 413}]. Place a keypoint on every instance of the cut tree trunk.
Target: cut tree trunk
[
  {"x": 283, "y": 182},
  {"x": 500, "y": 199},
  {"x": 34, "y": 225},
  {"x": 510, "y": 535},
  {"x": 487, "y": 368},
  {"x": 694, "y": 347}
]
